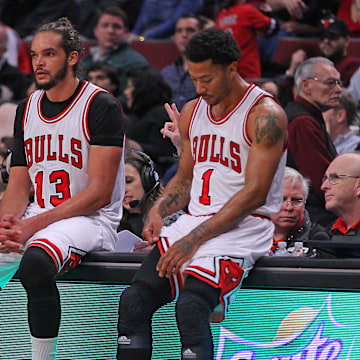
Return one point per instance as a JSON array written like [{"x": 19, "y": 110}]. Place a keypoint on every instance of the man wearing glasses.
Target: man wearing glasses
[
  {"x": 310, "y": 148},
  {"x": 341, "y": 185},
  {"x": 292, "y": 222}
]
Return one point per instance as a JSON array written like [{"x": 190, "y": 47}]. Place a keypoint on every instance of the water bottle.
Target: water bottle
[
  {"x": 298, "y": 249},
  {"x": 281, "y": 249}
]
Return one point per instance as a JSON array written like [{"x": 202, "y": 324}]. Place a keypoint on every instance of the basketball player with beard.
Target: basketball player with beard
[{"x": 68, "y": 148}]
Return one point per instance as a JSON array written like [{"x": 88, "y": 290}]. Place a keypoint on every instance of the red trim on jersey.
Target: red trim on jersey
[
  {"x": 50, "y": 246},
  {"x": 200, "y": 215},
  {"x": 66, "y": 110},
  {"x": 54, "y": 247},
  {"x": 230, "y": 276},
  {"x": 193, "y": 114},
  {"x": 159, "y": 244},
  {"x": 207, "y": 271},
  {"x": 234, "y": 108},
  {"x": 84, "y": 122},
  {"x": 25, "y": 115},
  {"x": 202, "y": 278},
  {"x": 286, "y": 146},
  {"x": 261, "y": 216},
  {"x": 178, "y": 276}
]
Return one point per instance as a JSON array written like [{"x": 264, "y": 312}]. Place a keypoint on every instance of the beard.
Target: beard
[{"x": 54, "y": 80}]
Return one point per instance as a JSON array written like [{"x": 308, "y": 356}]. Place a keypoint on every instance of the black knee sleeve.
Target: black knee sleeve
[
  {"x": 193, "y": 309},
  {"x": 37, "y": 273},
  {"x": 137, "y": 306}
]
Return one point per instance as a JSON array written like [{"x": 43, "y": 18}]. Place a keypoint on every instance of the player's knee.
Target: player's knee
[
  {"x": 192, "y": 315},
  {"x": 37, "y": 269},
  {"x": 137, "y": 305}
]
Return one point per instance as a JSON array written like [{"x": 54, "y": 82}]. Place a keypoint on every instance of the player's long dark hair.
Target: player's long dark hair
[
  {"x": 70, "y": 37},
  {"x": 150, "y": 89}
]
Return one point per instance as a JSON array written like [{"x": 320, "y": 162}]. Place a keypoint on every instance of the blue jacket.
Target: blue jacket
[{"x": 157, "y": 18}]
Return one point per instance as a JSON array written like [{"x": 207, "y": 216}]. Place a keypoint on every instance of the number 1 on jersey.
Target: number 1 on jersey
[{"x": 205, "y": 197}]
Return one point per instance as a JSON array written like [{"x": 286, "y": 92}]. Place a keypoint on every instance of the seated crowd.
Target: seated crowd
[
  {"x": 323, "y": 114},
  {"x": 217, "y": 215}
]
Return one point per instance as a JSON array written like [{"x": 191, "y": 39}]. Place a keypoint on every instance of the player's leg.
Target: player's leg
[
  {"x": 194, "y": 306},
  {"x": 50, "y": 251},
  {"x": 147, "y": 293},
  {"x": 37, "y": 273}
]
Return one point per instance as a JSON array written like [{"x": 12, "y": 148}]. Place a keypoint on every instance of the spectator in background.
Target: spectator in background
[
  {"x": 177, "y": 74},
  {"x": 333, "y": 44},
  {"x": 354, "y": 87},
  {"x": 105, "y": 76},
  {"x": 349, "y": 11},
  {"x": 310, "y": 148},
  {"x": 277, "y": 89},
  {"x": 13, "y": 82},
  {"x": 111, "y": 31},
  {"x": 244, "y": 22},
  {"x": 341, "y": 185},
  {"x": 88, "y": 10},
  {"x": 24, "y": 16},
  {"x": 292, "y": 222},
  {"x": 297, "y": 18},
  {"x": 338, "y": 121},
  {"x": 17, "y": 53},
  {"x": 334, "y": 41},
  {"x": 146, "y": 94},
  {"x": 157, "y": 18}
]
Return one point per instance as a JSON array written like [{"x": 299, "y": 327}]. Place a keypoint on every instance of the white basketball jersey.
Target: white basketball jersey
[
  {"x": 220, "y": 149},
  {"x": 57, "y": 151}
]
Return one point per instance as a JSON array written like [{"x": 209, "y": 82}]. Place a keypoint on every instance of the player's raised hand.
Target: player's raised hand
[{"x": 171, "y": 129}]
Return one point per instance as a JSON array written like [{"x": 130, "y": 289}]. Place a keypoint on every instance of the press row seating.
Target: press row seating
[{"x": 287, "y": 45}]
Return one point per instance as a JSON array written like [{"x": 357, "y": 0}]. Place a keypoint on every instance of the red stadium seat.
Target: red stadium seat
[{"x": 158, "y": 53}]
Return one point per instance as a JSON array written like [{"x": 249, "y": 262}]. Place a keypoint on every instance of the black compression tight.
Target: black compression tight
[{"x": 37, "y": 274}]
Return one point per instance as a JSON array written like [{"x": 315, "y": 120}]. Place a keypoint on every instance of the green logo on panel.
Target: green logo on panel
[{"x": 305, "y": 333}]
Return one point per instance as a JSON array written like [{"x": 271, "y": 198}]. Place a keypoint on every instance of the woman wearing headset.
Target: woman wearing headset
[{"x": 142, "y": 188}]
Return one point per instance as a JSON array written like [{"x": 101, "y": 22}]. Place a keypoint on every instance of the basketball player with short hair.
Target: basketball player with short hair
[
  {"x": 230, "y": 176},
  {"x": 68, "y": 147}
]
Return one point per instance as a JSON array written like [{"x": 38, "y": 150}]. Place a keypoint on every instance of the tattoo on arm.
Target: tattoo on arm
[
  {"x": 175, "y": 199},
  {"x": 267, "y": 131},
  {"x": 200, "y": 231}
]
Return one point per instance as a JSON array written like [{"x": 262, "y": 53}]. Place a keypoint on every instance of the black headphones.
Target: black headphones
[
  {"x": 149, "y": 176},
  {"x": 4, "y": 167}
]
